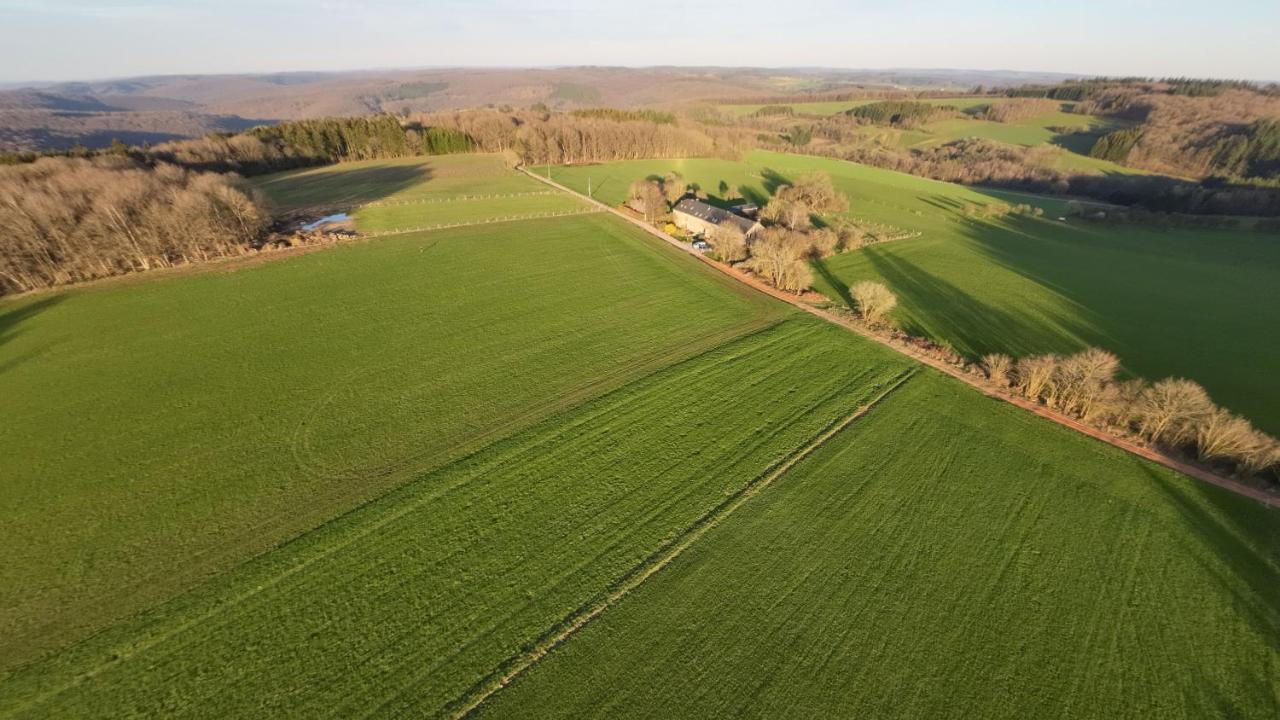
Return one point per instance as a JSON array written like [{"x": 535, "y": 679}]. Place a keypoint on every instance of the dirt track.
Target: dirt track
[{"x": 1126, "y": 445}]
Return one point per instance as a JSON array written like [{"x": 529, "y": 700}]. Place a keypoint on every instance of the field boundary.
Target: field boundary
[
  {"x": 658, "y": 560},
  {"x": 487, "y": 221},
  {"x": 1128, "y": 446},
  {"x": 458, "y": 198}
]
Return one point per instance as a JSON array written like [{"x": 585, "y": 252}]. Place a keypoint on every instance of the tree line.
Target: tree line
[
  {"x": 1175, "y": 413},
  {"x": 902, "y": 113},
  {"x": 1016, "y": 109},
  {"x": 535, "y": 137},
  {"x": 65, "y": 220}
]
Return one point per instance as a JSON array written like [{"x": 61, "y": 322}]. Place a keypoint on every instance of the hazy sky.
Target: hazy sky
[{"x": 86, "y": 39}]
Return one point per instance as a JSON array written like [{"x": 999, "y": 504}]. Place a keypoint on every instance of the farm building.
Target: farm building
[{"x": 698, "y": 218}]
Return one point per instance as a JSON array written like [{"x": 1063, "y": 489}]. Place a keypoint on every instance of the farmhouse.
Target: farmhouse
[{"x": 698, "y": 218}]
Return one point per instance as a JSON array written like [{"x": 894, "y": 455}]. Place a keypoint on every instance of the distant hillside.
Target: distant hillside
[
  {"x": 22, "y": 130},
  {"x": 159, "y": 108}
]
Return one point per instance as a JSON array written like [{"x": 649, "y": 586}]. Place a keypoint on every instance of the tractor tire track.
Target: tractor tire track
[{"x": 505, "y": 673}]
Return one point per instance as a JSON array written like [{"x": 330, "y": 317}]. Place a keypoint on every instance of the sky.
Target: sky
[{"x": 47, "y": 40}]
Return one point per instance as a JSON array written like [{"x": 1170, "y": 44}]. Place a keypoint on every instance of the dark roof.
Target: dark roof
[{"x": 712, "y": 214}]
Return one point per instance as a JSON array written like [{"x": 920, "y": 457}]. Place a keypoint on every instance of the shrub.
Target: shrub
[
  {"x": 874, "y": 300},
  {"x": 1170, "y": 410},
  {"x": 1219, "y": 434},
  {"x": 997, "y": 367},
  {"x": 1032, "y": 375}
]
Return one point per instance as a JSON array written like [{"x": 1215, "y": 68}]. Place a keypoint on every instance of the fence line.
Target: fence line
[
  {"x": 432, "y": 201},
  {"x": 486, "y": 221}
]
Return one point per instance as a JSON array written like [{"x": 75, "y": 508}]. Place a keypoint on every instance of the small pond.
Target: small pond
[{"x": 326, "y": 220}]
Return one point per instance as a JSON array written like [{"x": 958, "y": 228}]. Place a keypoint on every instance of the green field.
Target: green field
[
  {"x": 1195, "y": 303},
  {"x": 1068, "y": 137},
  {"x": 396, "y": 217},
  {"x": 442, "y": 177},
  {"x": 839, "y": 106},
  {"x": 402, "y": 606},
  {"x": 368, "y": 479},
  {"x": 418, "y": 193},
  {"x": 171, "y": 428},
  {"x": 945, "y": 556}
]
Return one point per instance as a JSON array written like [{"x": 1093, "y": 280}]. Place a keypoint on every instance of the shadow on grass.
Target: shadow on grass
[
  {"x": 830, "y": 278},
  {"x": 973, "y": 327},
  {"x": 343, "y": 187},
  {"x": 1242, "y": 536},
  {"x": 772, "y": 180},
  {"x": 10, "y": 321},
  {"x": 1079, "y": 142}
]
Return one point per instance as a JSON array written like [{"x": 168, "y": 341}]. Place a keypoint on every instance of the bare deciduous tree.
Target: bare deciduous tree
[
  {"x": 997, "y": 367},
  {"x": 779, "y": 257},
  {"x": 646, "y": 197},
  {"x": 791, "y": 214},
  {"x": 817, "y": 192},
  {"x": 673, "y": 187},
  {"x": 1170, "y": 409},
  {"x": 1032, "y": 375},
  {"x": 65, "y": 220},
  {"x": 874, "y": 300},
  {"x": 729, "y": 243},
  {"x": 1219, "y": 434}
]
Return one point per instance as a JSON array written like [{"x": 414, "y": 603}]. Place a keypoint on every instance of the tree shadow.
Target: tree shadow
[
  {"x": 1079, "y": 142},
  {"x": 833, "y": 280},
  {"x": 753, "y": 196},
  {"x": 341, "y": 188},
  {"x": 946, "y": 204},
  {"x": 1242, "y": 535},
  {"x": 10, "y": 321},
  {"x": 973, "y": 327},
  {"x": 772, "y": 180}
]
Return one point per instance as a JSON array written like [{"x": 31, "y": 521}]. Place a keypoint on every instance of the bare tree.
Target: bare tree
[
  {"x": 1170, "y": 410},
  {"x": 1032, "y": 375},
  {"x": 1078, "y": 381},
  {"x": 997, "y": 366},
  {"x": 1219, "y": 434},
  {"x": 66, "y": 220},
  {"x": 791, "y": 214},
  {"x": 729, "y": 243},
  {"x": 817, "y": 192},
  {"x": 822, "y": 242},
  {"x": 779, "y": 257},
  {"x": 874, "y": 300},
  {"x": 673, "y": 187},
  {"x": 646, "y": 197}
]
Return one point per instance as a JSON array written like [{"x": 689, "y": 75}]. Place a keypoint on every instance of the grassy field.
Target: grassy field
[
  {"x": 366, "y": 479},
  {"x": 442, "y": 177},
  {"x": 1030, "y": 132},
  {"x": 945, "y": 556},
  {"x": 419, "y": 192},
  {"x": 160, "y": 430},
  {"x": 391, "y": 217},
  {"x": 1194, "y": 303},
  {"x": 402, "y": 606},
  {"x": 1066, "y": 136},
  {"x": 839, "y": 106}
]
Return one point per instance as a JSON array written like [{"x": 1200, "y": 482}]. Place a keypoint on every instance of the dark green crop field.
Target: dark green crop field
[
  {"x": 160, "y": 431},
  {"x": 1202, "y": 304},
  {"x": 402, "y": 606},
  {"x": 945, "y": 556}
]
